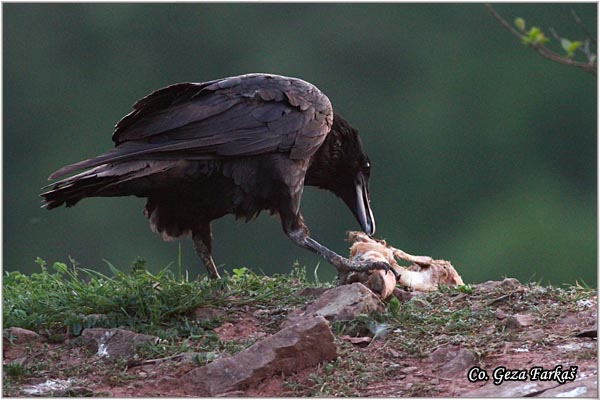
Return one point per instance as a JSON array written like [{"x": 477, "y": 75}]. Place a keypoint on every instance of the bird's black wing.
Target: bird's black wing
[{"x": 238, "y": 116}]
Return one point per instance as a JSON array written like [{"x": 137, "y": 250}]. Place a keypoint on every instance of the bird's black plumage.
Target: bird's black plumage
[{"x": 238, "y": 145}]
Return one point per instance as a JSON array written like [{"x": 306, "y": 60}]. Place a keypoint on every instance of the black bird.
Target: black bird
[{"x": 238, "y": 145}]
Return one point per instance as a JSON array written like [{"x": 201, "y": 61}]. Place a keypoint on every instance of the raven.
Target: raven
[{"x": 237, "y": 145}]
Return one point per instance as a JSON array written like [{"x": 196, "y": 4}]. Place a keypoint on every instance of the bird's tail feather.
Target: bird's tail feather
[{"x": 120, "y": 179}]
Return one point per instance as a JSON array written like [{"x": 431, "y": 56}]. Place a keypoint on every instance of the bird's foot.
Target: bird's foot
[{"x": 344, "y": 268}]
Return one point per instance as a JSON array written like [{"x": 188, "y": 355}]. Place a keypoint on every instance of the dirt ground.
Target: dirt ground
[{"x": 380, "y": 366}]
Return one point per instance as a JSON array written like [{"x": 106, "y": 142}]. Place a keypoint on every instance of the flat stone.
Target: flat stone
[
  {"x": 507, "y": 283},
  {"x": 310, "y": 291},
  {"x": 536, "y": 334},
  {"x": 342, "y": 303},
  {"x": 409, "y": 370},
  {"x": 510, "y": 283},
  {"x": 569, "y": 319},
  {"x": 17, "y": 344},
  {"x": 405, "y": 295},
  {"x": 580, "y": 388},
  {"x": 510, "y": 389},
  {"x": 306, "y": 343},
  {"x": 21, "y": 336},
  {"x": 114, "y": 342},
  {"x": 585, "y": 387},
  {"x": 49, "y": 387},
  {"x": 452, "y": 360},
  {"x": 519, "y": 321}
]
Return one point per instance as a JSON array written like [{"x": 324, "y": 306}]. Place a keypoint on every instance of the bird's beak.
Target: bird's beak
[{"x": 362, "y": 209}]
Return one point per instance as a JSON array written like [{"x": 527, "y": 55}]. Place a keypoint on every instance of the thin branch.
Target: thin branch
[
  {"x": 543, "y": 50},
  {"x": 504, "y": 22},
  {"x": 579, "y": 22},
  {"x": 553, "y": 32},
  {"x": 585, "y": 49}
]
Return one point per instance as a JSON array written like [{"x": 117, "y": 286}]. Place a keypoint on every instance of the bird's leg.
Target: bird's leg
[
  {"x": 299, "y": 234},
  {"x": 202, "y": 238}
]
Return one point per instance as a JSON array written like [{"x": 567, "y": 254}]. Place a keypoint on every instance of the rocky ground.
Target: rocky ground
[{"x": 496, "y": 339}]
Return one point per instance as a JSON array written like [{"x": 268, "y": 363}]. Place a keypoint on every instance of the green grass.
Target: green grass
[
  {"x": 61, "y": 300},
  {"x": 66, "y": 299}
]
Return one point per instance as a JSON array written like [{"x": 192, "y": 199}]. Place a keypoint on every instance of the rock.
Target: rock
[
  {"x": 576, "y": 346},
  {"x": 510, "y": 389},
  {"x": 310, "y": 291},
  {"x": 536, "y": 334},
  {"x": 114, "y": 342},
  {"x": 500, "y": 314},
  {"x": 75, "y": 391},
  {"x": 452, "y": 360},
  {"x": 48, "y": 388},
  {"x": 587, "y": 386},
  {"x": 308, "y": 342},
  {"x": 507, "y": 283},
  {"x": 511, "y": 283},
  {"x": 569, "y": 319},
  {"x": 409, "y": 370},
  {"x": 17, "y": 336},
  {"x": 580, "y": 388},
  {"x": 341, "y": 303},
  {"x": 405, "y": 296},
  {"x": 519, "y": 321},
  {"x": 18, "y": 343}
]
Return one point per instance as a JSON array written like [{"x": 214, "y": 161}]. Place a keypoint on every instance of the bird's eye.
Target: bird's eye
[{"x": 366, "y": 169}]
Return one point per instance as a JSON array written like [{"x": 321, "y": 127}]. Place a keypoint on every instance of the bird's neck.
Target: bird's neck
[{"x": 321, "y": 169}]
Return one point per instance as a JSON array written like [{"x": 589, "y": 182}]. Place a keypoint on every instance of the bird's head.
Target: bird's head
[{"x": 341, "y": 166}]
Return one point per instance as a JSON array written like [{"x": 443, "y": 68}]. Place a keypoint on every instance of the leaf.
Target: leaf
[
  {"x": 566, "y": 44},
  {"x": 569, "y": 46},
  {"x": 520, "y": 24},
  {"x": 468, "y": 289},
  {"x": 535, "y": 36},
  {"x": 60, "y": 267},
  {"x": 534, "y": 32},
  {"x": 574, "y": 46},
  {"x": 240, "y": 272},
  {"x": 393, "y": 306},
  {"x": 541, "y": 38},
  {"x": 39, "y": 261}
]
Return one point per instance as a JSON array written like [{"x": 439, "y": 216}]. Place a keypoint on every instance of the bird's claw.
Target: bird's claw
[
  {"x": 396, "y": 274},
  {"x": 354, "y": 266},
  {"x": 387, "y": 268}
]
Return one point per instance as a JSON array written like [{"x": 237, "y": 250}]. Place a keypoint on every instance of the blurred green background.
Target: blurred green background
[{"x": 483, "y": 153}]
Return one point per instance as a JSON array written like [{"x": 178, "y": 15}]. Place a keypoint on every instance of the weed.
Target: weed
[
  {"x": 15, "y": 370},
  {"x": 73, "y": 298}
]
